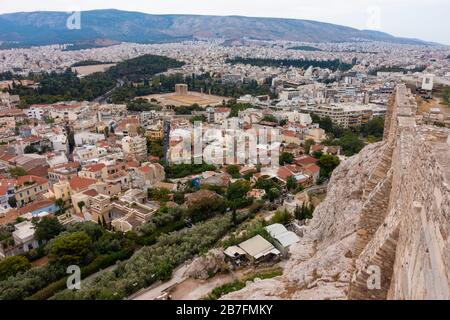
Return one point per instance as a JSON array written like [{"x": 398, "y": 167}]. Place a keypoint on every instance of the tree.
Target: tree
[
  {"x": 10, "y": 266},
  {"x": 273, "y": 194},
  {"x": 47, "y": 228},
  {"x": 106, "y": 132},
  {"x": 374, "y": 127},
  {"x": 269, "y": 118},
  {"x": 286, "y": 157},
  {"x": 304, "y": 212},
  {"x": 12, "y": 202},
  {"x": 234, "y": 218},
  {"x": 30, "y": 149},
  {"x": 80, "y": 205},
  {"x": 350, "y": 143},
  {"x": 206, "y": 208},
  {"x": 282, "y": 216},
  {"x": 61, "y": 205},
  {"x": 308, "y": 144},
  {"x": 238, "y": 190},
  {"x": 291, "y": 183},
  {"x": 237, "y": 194},
  {"x": 233, "y": 170},
  {"x": 161, "y": 194},
  {"x": 70, "y": 249},
  {"x": 327, "y": 164},
  {"x": 17, "y": 172}
]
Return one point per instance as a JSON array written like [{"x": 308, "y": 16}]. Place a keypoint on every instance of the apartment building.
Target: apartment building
[
  {"x": 346, "y": 115},
  {"x": 135, "y": 146}
]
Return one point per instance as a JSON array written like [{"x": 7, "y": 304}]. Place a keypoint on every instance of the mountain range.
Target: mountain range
[{"x": 39, "y": 28}]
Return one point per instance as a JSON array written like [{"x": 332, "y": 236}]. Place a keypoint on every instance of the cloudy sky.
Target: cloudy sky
[{"x": 423, "y": 19}]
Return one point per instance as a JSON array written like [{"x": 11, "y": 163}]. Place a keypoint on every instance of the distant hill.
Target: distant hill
[{"x": 36, "y": 28}]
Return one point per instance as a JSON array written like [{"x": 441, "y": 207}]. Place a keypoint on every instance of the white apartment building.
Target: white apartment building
[
  {"x": 135, "y": 146},
  {"x": 345, "y": 114},
  {"x": 86, "y": 137},
  {"x": 34, "y": 112}
]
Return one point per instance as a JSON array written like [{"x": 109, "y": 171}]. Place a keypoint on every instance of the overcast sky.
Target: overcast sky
[{"x": 423, "y": 19}]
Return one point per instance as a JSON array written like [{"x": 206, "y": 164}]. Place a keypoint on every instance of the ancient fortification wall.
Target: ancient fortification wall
[{"x": 386, "y": 217}]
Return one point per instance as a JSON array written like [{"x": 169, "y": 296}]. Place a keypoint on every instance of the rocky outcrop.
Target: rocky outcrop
[
  {"x": 206, "y": 266},
  {"x": 383, "y": 230}
]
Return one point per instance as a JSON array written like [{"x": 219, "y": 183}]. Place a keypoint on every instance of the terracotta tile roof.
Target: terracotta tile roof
[
  {"x": 317, "y": 147},
  {"x": 91, "y": 192},
  {"x": 289, "y": 133},
  {"x": 41, "y": 171},
  {"x": 12, "y": 112},
  {"x": 313, "y": 168},
  {"x": 79, "y": 184},
  {"x": 39, "y": 180},
  {"x": 9, "y": 217},
  {"x": 31, "y": 139},
  {"x": 95, "y": 167},
  {"x": 222, "y": 110},
  {"x": 3, "y": 190},
  {"x": 284, "y": 173},
  {"x": 7, "y": 157},
  {"x": 304, "y": 160}
]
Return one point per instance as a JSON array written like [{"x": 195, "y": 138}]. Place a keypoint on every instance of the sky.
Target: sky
[{"x": 421, "y": 19}]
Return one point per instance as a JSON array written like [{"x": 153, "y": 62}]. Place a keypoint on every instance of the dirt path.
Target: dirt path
[
  {"x": 153, "y": 292},
  {"x": 195, "y": 289}
]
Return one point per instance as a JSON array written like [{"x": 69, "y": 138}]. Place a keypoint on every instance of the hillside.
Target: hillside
[{"x": 114, "y": 25}]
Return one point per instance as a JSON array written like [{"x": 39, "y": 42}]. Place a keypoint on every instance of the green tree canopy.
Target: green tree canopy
[
  {"x": 17, "y": 172},
  {"x": 47, "y": 228},
  {"x": 70, "y": 248},
  {"x": 282, "y": 216},
  {"x": 327, "y": 164},
  {"x": 286, "y": 158},
  {"x": 238, "y": 190},
  {"x": 233, "y": 170},
  {"x": 10, "y": 266}
]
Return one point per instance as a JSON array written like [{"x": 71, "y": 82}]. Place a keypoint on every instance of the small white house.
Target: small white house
[{"x": 283, "y": 238}]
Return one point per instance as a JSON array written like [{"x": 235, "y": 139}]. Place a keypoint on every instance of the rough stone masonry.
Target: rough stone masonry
[{"x": 386, "y": 215}]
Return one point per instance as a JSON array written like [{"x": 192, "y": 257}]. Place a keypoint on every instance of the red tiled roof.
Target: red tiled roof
[
  {"x": 36, "y": 179},
  {"x": 78, "y": 183},
  {"x": 40, "y": 171},
  {"x": 9, "y": 217},
  {"x": 12, "y": 112},
  {"x": 284, "y": 173},
  {"x": 91, "y": 192},
  {"x": 222, "y": 110},
  {"x": 289, "y": 133},
  {"x": 317, "y": 147},
  {"x": 313, "y": 168},
  {"x": 3, "y": 190},
  {"x": 31, "y": 139},
  {"x": 95, "y": 167},
  {"x": 304, "y": 160}
]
